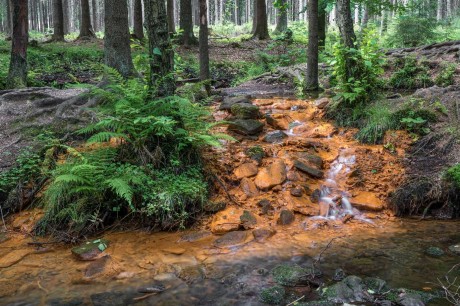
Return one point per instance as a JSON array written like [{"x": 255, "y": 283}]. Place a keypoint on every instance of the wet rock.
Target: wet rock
[
  {"x": 302, "y": 205},
  {"x": 248, "y": 220},
  {"x": 262, "y": 234},
  {"x": 195, "y": 236},
  {"x": 14, "y": 257},
  {"x": 191, "y": 274},
  {"x": 230, "y": 101},
  {"x": 308, "y": 169},
  {"x": 315, "y": 196},
  {"x": 434, "y": 252},
  {"x": 97, "y": 267},
  {"x": 175, "y": 250},
  {"x": 113, "y": 298},
  {"x": 249, "y": 187},
  {"x": 322, "y": 103},
  {"x": 286, "y": 217},
  {"x": 296, "y": 192},
  {"x": 273, "y": 295},
  {"x": 231, "y": 239},
  {"x": 291, "y": 275},
  {"x": 62, "y": 302},
  {"x": 455, "y": 248},
  {"x": 269, "y": 177},
  {"x": 246, "y": 126},
  {"x": 154, "y": 288},
  {"x": 376, "y": 284},
  {"x": 311, "y": 159},
  {"x": 351, "y": 289},
  {"x": 245, "y": 170},
  {"x": 226, "y": 221},
  {"x": 339, "y": 275},
  {"x": 260, "y": 272},
  {"x": 278, "y": 121},
  {"x": 324, "y": 208},
  {"x": 367, "y": 201},
  {"x": 410, "y": 299},
  {"x": 275, "y": 137},
  {"x": 245, "y": 111},
  {"x": 265, "y": 205},
  {"x": 214, "y": 206},
  {"x": 90, "y": 250},
  {"x": 255, "y": 153}
]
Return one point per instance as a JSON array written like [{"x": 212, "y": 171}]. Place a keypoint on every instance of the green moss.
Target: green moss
[
  {"x": 245, "y": 111},
  {"x": 453, "y": 175},
  {"x": 273, "y": 295},
  {"x": 290, "y": 275}
]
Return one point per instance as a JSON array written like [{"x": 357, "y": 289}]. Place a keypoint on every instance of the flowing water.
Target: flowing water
[{"x": 347, "y": 228}]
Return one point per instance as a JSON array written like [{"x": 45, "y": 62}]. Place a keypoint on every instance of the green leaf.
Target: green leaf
[
  {"x": 157, "y": 51},
  {"x": 102, "y": 247}
]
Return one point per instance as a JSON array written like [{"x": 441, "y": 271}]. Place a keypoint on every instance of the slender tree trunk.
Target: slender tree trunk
[
  {"x": 58, "y": 20},
  {"x": 161, "y": 81},
  {"x": 9, "y": 19},
  {"x": 117, "y": 49},
  {"x": 345, "y": 23},
  {"x": 171, "y": 24},
  {"x": 365, "y": 19},
  {"x": 322, "y": 27},
  {"x": 204, "y": 45},
  {"x": 282, "y": 18},
  {"x": 186, "y": 23},
  {"x": 95, "y": 21},
  {"x": 311, "y": 81},
  {"x": 86, "y": 30},
  {"x": 17, "y": 74},
  {"x": 261, "y": 31},
  {"x": 65, "y": 10},
  {"x": 254, "y": 16},
  {"x": 138, "y": 20}
]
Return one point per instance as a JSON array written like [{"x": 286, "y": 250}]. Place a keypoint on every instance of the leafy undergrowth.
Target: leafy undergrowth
[{"x": 453, "y": 175}]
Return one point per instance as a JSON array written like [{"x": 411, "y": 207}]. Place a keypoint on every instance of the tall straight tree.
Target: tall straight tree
[
  {"x": 58, "y": 20},
  {"x": 86, "y": 30},
  {"x": 322, "y": 27},
  {"x": 186, "y": 23},
  {"x": 282, "y": 18},
  {"x": 117, "y": 49},
  {"x": 204, "y": 43},
  {"x": 17, "y": 74},
  {"x": 170, "y": 11},
  {"x": 162, "y": 82},
  {"x": 311, "y": 81},
  {"x": 261, "y": 31},
  {"x": 138, "y": 20},
  {"x": 345, "y": 23}
]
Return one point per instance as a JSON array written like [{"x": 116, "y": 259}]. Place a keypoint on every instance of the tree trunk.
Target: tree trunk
[
  {"x": 311, "y": 81},
  {"x": 138, "y": 20},
  {"x": 117, "y": 49},
  {"x": 86, "y": 30},
  {"x": 17, "y": 74},
  {"x": 9, "y": 19},
  {"x": 322, "y": 27},
  {"x": 204, "y": 45},
  {"x": 95, "y": 21},
  {"x": 170, "y": 11},
  {"x": 161, "y": 81},
  {"x": 186, "y": 23},
  {"x": 254, "y": 16},
  {"x": 345, "y": 23},
  {"x": 58, "y": 21},
  {"x": 282, "y": 18},
  {"x": 261, "y": 31},
  {"x": 365, "y": 19}
]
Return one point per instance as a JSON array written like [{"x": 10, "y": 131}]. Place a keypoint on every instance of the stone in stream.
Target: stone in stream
[
  {"x": 273, "y": 295},
  {"x": 194, "y": 236},
  {"x": 296, "y": 192},
  {"x": 322, "y": 103},
  {"x": 291, "y": 275},
  {"x": 113, "y": 298},
  {"x": 367, "y": 201},
  {"x": 249, "y": 187},
  {"x": 410, "y": 299},
  {"x": 230, "y": 101},
  {"x": 231, "y": 239},
  {"x": 265, "y": 206},
  {"x": 272, "y": 175},
  {"x": 248, "y": 220},
  {"x": 434, "y": 252},
  {"x": 246, "y": 126},
  {"x": 90, "y": 250},
  {"x": 286, "y": 217},
  {"x": 278, "y": 121},
  {"x": 245, "y": 170},
  {"x": 14, "y": 257},
  {"x": 315, "y": 196},
  {"x": 339, "y": 275},
  {"x": 255, "y": 153},
  {"x": 308, "y": 169},
  {"x": 350, "y": 289},
  {"x": 245, "y": 111},
  {"x": 455, "y": 248},
  {"x": 275, "y": 137},
  {"x": 311, "y": 159},
  {"x": 226, "y": 221},
  {"x": 98, "y": 266},
  {"x": 376, "y": 284},
  {"x": 154, "y": 288},
  {"x": 262, "y": 234}
]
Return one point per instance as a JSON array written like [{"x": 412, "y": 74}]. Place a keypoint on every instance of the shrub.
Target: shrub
[
  {"x": 410, "y": 74},
  {"x": 453, "y": 175},
  {"x": 377, "y": 120},
  {"x": 446, "y": 76},
  {"x": 411, "y": 31}
]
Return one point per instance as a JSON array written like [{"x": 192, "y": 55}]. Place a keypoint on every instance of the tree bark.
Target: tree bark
[
  {"x": 58, "y": 21},
  {"x": 86, "y": 30},
  {"x": 95, "y": 21},
  {"x": 261, "y": 31},
  {"x": 117, "y": 49},
  {"x": 345, "y": 23},
  {"x": 186, "y": 23},
  {"x": 204, "y": 43},
  {"x": 161, "y": 80},
  {"x": 9, "y": 19},
  {"x": 322, "y": 26},
  {"x": 17, "y": 74},
  {"x": 138, "y": 20},
  {"x": 365, "y": 19},
  {"x": 311, "y": 80},
  {"x": 282, "y": 18},
  {"x": 170, "y": 11}
]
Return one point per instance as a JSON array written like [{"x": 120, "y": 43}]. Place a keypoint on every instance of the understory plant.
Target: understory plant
[{"x": 142, "y": 159}]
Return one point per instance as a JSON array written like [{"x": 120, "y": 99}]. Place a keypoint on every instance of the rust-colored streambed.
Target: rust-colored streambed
[{"x": 328, "y": 210}]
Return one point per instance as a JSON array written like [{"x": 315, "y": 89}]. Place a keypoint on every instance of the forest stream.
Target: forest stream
[{"x": 302, "y": 192}]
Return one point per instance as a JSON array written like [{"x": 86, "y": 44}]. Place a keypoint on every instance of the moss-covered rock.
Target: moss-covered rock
[
  {"x": 245, "y": 111},
  {"x": 292, "y": 275},
  {"x": 90, "y": 250},
  {"x": 248, "y": 220},
  {"x": 256, "y": 153},
  {"x": 273, "y": 295},
  {"x": 434, "y": 252}
]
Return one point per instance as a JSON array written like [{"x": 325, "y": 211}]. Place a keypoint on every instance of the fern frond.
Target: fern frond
[
  {"x": 105, "y": 137},
  {"x": 122, "y": 188},
  {"x": 70, "y": 178}
]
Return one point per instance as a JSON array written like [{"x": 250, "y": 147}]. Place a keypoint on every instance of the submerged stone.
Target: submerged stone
[
  {"x": 246, "y": 126},
  {"x": 275, "y": 137},
  {"x": 455, "y": 248},
  {"x": 195, "y": 236},
  {"x": 273, "y": 295},
  {"x": 90, "y": 250},
  {"x": 262, "y": 234},
  {"x": 351, "y": 289},
  {"x": 434, "y": 252},
  {"x": 230, "y": 239},
  {"x": 290, "y": 275}
]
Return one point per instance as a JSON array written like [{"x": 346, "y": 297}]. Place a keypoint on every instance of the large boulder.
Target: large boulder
[
  {"x": 351, "y": 289},
  {"x": 278, "y": 121},
  {"x": 230, "y": 101},
  {"x": 246, "y": 126},
  {"x": 275, "y": 136},
  {"x": 91, "y": 250},
  {"x": 272, "y": 175},
  {"x": 310, "y": 170},
  {"x": 245, "y": 170},
  {"x": 291, "y": 274},
  {"x": 245, "y": 111},
  {"x": 226, "y": 221}
]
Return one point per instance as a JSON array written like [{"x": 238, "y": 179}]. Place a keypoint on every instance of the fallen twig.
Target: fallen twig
[{"x": 292, "y": 303}]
